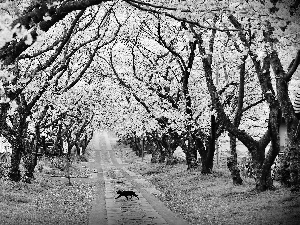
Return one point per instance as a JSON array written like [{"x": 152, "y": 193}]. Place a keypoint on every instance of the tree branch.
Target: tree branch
[
  {"x": 156, "y": 10},
  {"x": 253, "y": 104},
  {"x": 11, "y": 50},
  {"x": 128, "y": 87}
]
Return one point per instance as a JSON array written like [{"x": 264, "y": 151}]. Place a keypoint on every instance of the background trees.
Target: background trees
[{"x": 178, "y": 72}]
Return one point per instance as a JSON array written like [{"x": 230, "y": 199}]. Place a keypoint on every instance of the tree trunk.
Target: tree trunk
[
  {"x": 84, "y": 144},
  {"x": 60, "y": 146},
  {"x": 70, "y": 146},
  {"x": 190, "y": 151},
  {"x": 209, "y": 159},
  {"x": 162, "y": 153},
  {"x": 169, "y": 157},
  {"x": 137, "y": 146},
  {"x": 37, "y": 144},
  {"x": 202, "y": 150},
  {"x": 232, "y": 162},
  {"x": 295, "y": 166},
  {"x": 166, "y": 142},
  {"x": 44, "y": 147},
  {"x": 140, "y": 147},
  {"x": 17, "y": 149},
  {"x": 199, "y": 145},
  {"x": 170, "y": 149},
  {"x": 207, "y": 150},
  {"x": 155, "y": 155},
  {"x": 18, "y": 145},
  {"x": 289, "y": 115},
  {"x": 77, "y": 147},
  {"x": 148, "y": 146},
  {"x": 30, "y": 157},
  {"x": 87, "y": 139},
  {"x": 57, "y": 148},
  {"x": 266, "y": 181},
  {"x": 262, "y": 170}
]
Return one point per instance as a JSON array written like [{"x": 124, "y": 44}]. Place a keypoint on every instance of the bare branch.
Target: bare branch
[
  {"x": 220, "y": 92},
  {"x": 170, "y": 49},
  {"x": 87, "y": 65},
  {"x": 40, "y": 52},
  {"x": 60, "y": 48},
  {"x": 157, "y": 10},
  {"x": 253, "y": 104}
]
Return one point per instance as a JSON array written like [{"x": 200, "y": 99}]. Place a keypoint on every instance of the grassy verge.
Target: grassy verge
[
  {"x": 212, "y": 199},
  {"x": 47, "y": 200}
]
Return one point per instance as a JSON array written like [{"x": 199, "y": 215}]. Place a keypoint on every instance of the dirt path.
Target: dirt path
[{"x": 112, "y": 176}]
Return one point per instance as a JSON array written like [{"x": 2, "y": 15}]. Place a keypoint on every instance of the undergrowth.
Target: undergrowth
[{"x": 47, "y": 200}]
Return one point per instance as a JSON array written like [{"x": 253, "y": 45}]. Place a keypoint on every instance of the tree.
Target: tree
[
  {"x": 253, "y": 39},
  {"x": 256, "y": 148},
  {"x": 47, "y": 69}
]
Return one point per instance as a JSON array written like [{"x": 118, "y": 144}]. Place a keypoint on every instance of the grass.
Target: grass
[
  {"x": 198, "y": 198},
  {"x": 47, "y": 200},
  {"x": 213, "y": 199}
]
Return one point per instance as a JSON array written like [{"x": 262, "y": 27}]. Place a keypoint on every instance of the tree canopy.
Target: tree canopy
[{"x": 166, "y": 69}]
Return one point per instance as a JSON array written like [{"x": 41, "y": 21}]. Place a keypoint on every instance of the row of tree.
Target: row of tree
[
  {"x": 44, "y": 92},
  {"x": 188, "y": 72},
  {"x": 233, "y": 63}
]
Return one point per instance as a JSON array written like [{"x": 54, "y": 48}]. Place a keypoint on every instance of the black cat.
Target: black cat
[{"x": 126, "y": 194}]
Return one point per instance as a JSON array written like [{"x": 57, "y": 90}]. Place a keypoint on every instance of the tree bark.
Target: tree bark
[
  {"x": 190, "y": 151},
  {"x": 232, "y": 162},
  {"x": 44, "y": 147},
  {"x": 17, "y": 149},
  {"x": 58, "y": 148},
  {"x": 31, "y": 156},
  {"x": 291, "y": 120},
  {"x": 88, "y": 137},
  {"x": 162, "y": 152},
  {"x": 206, "y": 147},
  {"x": 293, "y": 147},
  {"x": 19, "y": 141},
  {"x": 212, "y": 145}
]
